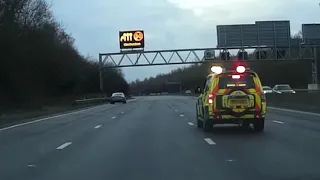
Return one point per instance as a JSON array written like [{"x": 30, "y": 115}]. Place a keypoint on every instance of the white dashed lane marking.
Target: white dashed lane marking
[
  {"x": 176, "y": 110},
  {"x": 181, "y": 115},
  {"x": 48, "y": 118},
  {"x": 113, "y": 117},
  {"x": 64, "y": 145},
  {"x": 190, "y": 123},
  {"x": 279, "y": 122},
  {"x": 57, "y": 116},
  {"x": 209, "y": 141},
  {"x": 97, "y": 127},
  {"x": 122, "y": 112}
]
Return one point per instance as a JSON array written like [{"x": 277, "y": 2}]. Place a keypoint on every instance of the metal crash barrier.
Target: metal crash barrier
[
  {"x": 91, "y": 100},
  {"x": 303, "y": 99},
  {"x": 95, "y": 100}
]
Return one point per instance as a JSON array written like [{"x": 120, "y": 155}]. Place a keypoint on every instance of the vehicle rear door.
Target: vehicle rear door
[
  {"x": 204, "y": 97},
  {"x": 239, "y": 93}
]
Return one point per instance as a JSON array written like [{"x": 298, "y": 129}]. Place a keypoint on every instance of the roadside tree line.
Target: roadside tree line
[{"x": 39, "y": 62}]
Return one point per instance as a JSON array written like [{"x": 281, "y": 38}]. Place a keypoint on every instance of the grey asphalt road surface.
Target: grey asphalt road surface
[{"x": 155, "y": 138}]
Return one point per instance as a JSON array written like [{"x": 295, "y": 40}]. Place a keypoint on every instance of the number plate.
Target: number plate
[{"x": 238, "y": 102}]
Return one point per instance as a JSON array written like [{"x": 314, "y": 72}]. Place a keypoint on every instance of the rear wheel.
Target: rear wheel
[
  {"x": 112, "y": 102},
  {"x": 258, "y": 125},
  {"x": 245, "y": 125},
  {"x": 124, "y": 102},
  {"x": 199, "y": 122},
  {"x": 207, "y": 123}
]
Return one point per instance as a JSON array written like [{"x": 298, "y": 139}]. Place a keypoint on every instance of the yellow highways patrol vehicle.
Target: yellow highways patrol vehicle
[{"x": 231, "y": 97}]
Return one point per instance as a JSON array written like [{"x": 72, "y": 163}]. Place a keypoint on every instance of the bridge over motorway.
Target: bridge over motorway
[{"x": 267, "y": 41}]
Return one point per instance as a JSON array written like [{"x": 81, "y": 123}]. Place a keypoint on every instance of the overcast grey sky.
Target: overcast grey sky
[{"x": 169, "y": 24}]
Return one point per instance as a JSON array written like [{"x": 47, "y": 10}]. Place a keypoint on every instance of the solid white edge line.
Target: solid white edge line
[
  {"x": 293, "y": 111},
  {"x": 190, "y": 123},
  {"x": 56, "y": 116},
  {"x": 99, "y": 126},
  {"x": 209, "y": 141},
  {"x": 47, "y": 118},
  {"x": 279, "y": 122},
  {"x": 64, "y": 145}
]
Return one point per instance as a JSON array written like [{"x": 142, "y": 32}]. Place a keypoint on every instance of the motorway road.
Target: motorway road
[{"x": 155, "y": 138}]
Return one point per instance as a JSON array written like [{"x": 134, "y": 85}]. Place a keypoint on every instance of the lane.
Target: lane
[
  {"x": 149, "y": 142},
  {"x": 20, "y": 146},
  {"x": 156, "y": 138},
  {"x": 288, "y": 149}
]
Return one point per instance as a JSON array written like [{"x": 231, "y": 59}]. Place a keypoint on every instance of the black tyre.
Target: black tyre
[
  {"x": 245, "y": 126},
  {"x": 199, "y": 122},
  {"x": 124, "y": 102},
  {"x": 258, "y": 125},
  {"x": 207, "y": 126},
  {"x": 207, "y": 123},
  {"x": 111, "y": 102}
]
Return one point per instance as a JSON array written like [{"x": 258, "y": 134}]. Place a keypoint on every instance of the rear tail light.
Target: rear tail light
[
  {"x": 210, "y": 99},
  {"x": 258, "y": 116}
]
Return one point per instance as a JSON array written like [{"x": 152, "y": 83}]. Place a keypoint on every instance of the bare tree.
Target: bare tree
[
  {"x": 297, "y": 35},
  {"x": 43, "y": 58}
]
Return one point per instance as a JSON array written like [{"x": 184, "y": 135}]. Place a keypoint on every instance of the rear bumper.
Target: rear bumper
[
  {"x": 118, "y": 100},
  {"x": 230, "y": 119},
  {"x": 234, "y": 120}
]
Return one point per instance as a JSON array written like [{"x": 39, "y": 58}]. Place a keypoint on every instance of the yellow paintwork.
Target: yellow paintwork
[{"x": 253, "y": 93}]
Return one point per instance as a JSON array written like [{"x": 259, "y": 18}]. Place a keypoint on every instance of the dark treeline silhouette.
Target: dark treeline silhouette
[
  {"x": 39, "y": 62},
  {"x": 296, "y": 73}
]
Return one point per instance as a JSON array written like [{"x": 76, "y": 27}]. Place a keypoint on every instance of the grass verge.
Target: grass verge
[{"x": 21, "y": 116}]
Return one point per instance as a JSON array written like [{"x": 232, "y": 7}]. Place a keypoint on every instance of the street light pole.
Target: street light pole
[{"x": 101, "y": 73}]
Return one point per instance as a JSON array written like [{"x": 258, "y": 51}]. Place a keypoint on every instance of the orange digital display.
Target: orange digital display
[{"x": 131, "y": 39}]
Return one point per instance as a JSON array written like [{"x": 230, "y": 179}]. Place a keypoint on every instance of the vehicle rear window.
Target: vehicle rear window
[
  {"x": 117, "y": 94},
  {"x": 227, "y": 82},
  {"x": 284, "y": 87}
]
